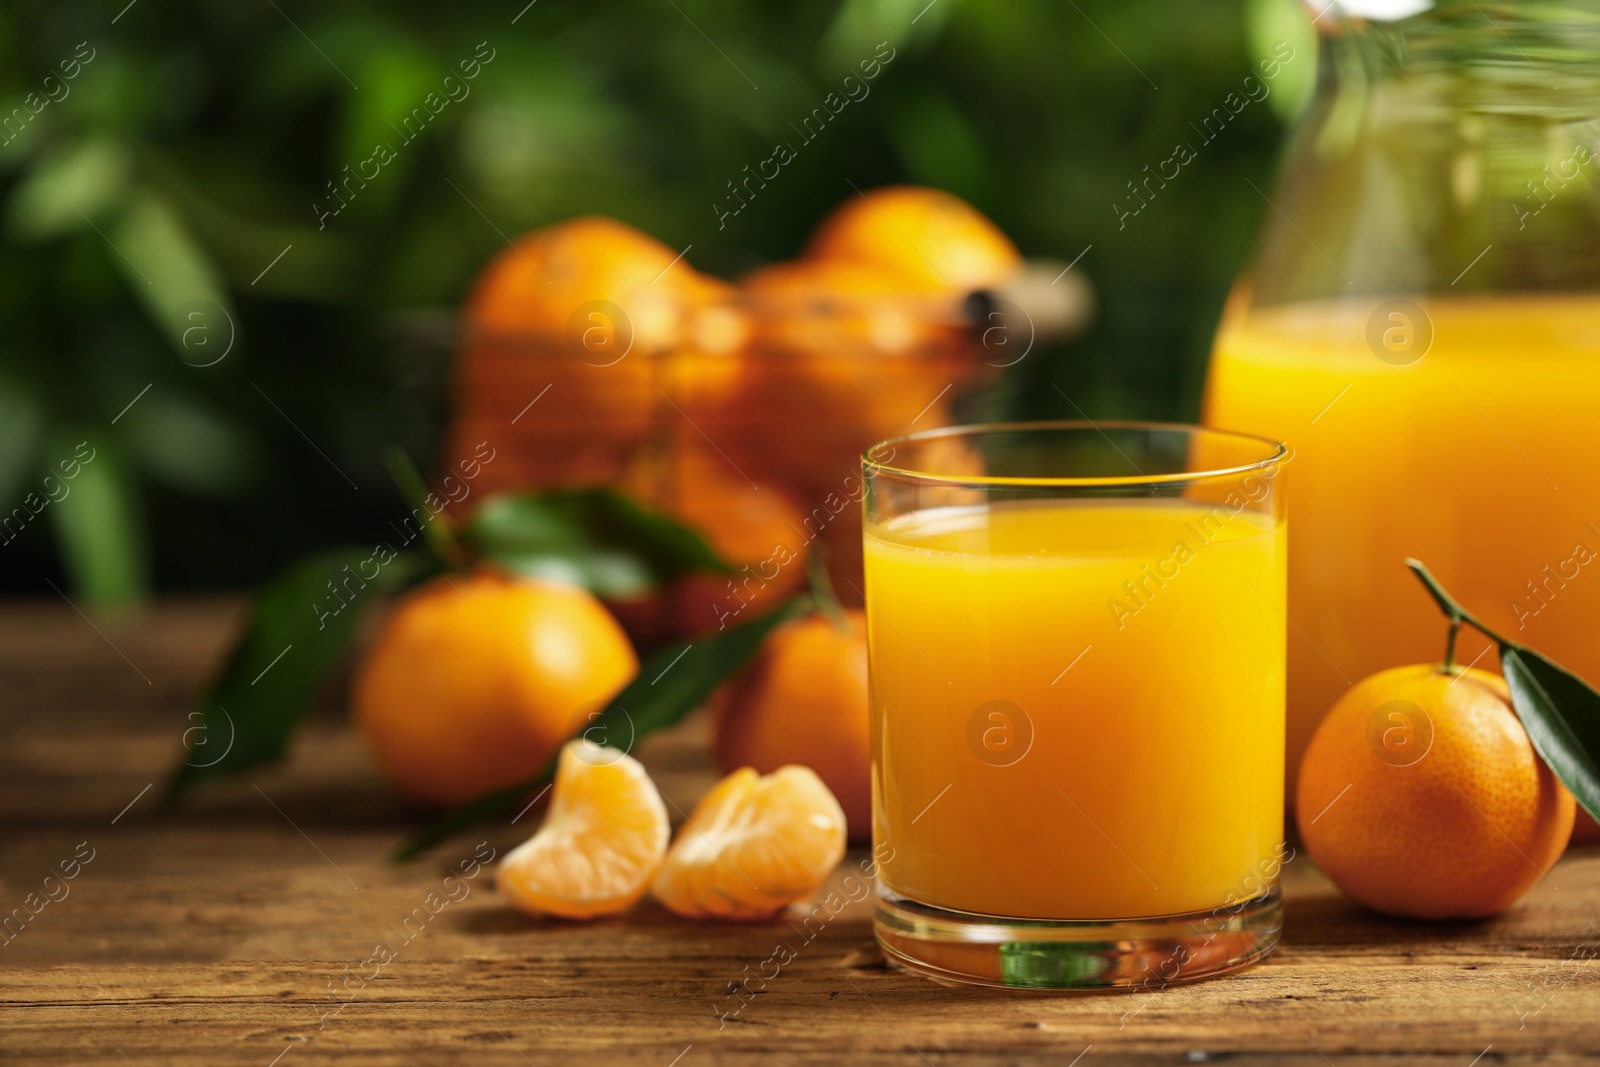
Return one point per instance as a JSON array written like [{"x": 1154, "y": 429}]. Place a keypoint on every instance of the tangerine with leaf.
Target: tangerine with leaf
[{"x": 1423, "y": 795}]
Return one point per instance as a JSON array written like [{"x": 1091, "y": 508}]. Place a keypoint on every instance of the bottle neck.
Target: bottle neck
[
  {"x": 1495, "y": 54},
  {"x": 1464, "y": 136}
]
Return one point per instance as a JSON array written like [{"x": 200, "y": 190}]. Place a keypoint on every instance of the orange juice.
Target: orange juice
[
  {"x": 1077, "y": 705},
  {"x": 1478, "y": 458}
]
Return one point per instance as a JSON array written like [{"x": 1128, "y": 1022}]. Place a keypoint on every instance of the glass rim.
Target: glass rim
[{"x": 1279, "y": 454}]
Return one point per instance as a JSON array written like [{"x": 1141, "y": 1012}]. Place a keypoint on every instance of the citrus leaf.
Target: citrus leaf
[
  {"x": 180, "y": 440},
  {"x": 1561, "y": 713},
  {"x": 298, "y": 627},
  {"x": 436, "y": 531},
  {"x": 173, "y": 276},
  {"x": 67, "y": 188},
  {"x": 596, "y": 538},
  {"x": 99, "y": 525},
  {"x": 1559, "y": 710},
  {"x": 22, "y": 424},
  {"x": 669, "y": 685}
]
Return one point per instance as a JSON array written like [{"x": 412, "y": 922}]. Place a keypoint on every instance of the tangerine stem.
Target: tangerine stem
[
  {"x": 1450, "y": 647},
  {"x": 821, "y": 587},
  {"x": 1447, "y": 604},
  {"x": 436, "y": 529}
]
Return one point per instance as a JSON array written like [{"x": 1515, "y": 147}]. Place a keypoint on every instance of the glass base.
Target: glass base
[{"x": 965, "y": 948}]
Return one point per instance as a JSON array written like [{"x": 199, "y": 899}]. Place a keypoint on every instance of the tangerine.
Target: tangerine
[
  {"x": 1421, "y": 795},
  {"x": 845, "y": 353},
  {"x": 548, "y": 274},
  {"x": 475, "y": 680},
  {"x": 580, "y": 310},
  {"x": 926, "y": 234}
]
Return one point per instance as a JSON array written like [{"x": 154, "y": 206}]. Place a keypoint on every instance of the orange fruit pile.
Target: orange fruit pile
[
  {"x": 865, "y": 336},
  {"x": 587, "y": 345},
  {"x": 475, "y": 680},
  {"x": 1421, "y": 795}
]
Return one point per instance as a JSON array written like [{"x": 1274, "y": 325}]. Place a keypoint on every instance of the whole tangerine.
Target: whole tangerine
[
  {"x": 475, "y": 680},
  {"x": 544, "y": 277},
  {"x": 927, "y": 234},
  {"x": 582, "y": 310},
  {"x": 1421, "y": 795}
]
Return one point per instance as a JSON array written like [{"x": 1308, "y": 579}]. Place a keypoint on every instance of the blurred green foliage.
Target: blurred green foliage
[{"x": 159, "y": 204}]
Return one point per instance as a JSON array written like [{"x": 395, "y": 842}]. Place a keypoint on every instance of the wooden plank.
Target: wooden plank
[{"x": 243, "y": 928}]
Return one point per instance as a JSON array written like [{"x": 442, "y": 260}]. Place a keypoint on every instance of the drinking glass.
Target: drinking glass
[{"x": 1077, "y": 641}]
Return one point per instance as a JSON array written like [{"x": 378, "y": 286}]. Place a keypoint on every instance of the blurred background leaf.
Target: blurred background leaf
[
  {"x": 98, "y": 522},
  {"x": 595, "y": 538},
  {"x": 186, "y": 159}
]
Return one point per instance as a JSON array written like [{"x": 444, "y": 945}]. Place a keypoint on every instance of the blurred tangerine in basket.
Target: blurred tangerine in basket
[
  {"x": 560, "y": 338},
  {"x": 842, "y": 354},
  {"x": 803, "y": 700},
  {"x": 928, "y": 235},
  {"x": 475, "y": 680},
  {"x": 704, "y": 371}
]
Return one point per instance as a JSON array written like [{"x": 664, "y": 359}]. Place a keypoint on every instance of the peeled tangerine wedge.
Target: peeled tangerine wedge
[
  {"x": 753, "y": 845},
  {"x": 601, "y": 843}
]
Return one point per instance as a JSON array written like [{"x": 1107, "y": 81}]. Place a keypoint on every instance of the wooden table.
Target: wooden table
[{"x": 242, "y": 929}]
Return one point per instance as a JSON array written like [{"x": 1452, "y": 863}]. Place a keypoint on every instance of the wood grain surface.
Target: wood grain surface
[{"x": 243, "y": 928}]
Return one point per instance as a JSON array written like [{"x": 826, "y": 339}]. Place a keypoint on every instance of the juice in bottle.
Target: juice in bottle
[{"x": 1471, "y": 447}]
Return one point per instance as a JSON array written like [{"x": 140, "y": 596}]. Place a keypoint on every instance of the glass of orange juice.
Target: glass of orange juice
[{"x": 1077, "y": 641}]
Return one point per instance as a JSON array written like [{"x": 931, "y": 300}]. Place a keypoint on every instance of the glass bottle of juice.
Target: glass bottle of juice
[{"x": 1421, "y": 324}]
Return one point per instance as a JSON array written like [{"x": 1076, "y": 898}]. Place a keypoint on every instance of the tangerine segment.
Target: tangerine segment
[
  {"x": 601, "y": 843},
  {"x": 753, "y": 845}
]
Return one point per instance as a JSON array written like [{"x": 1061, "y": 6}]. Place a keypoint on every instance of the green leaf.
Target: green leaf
[
  {"x": 436, "y": 528},
  {"x": 1270, "y": 25},
  {"x": 99, "y": 528},
  {"x": 301, "y": 621},
  {"x": 67, "y": 188},
  {"x": 182, "y": 441},
  {"x": 22, "y": 421},
  {"x": 1561, "y": 713},
  {"x": 596, "y": 538},
  {"x": 669, "y": 685},
  {"x": 176, "y": 281}
]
